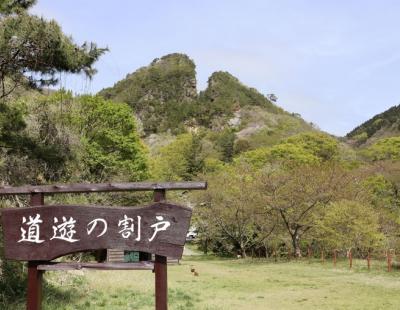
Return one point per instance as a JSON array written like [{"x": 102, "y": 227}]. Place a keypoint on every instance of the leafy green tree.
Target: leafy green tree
[
  {"x": 225, "y": 144},
  {"x": 241, "y": 145},
  {"x": 213, "y": 165},
  {"x": 384, "y": 197},
  {"x": 282, "y": 153},
  {"x": 291, "y": 153},
  {"x": 113, "y": 149},
  {"x": 229, "y": 216},
  {"x": 299, "y": 194},
  {"x": 32, "y": 52},
  {"x": 384, "y": 149},
  {"x": 62, "y": 138},
  {"x": 15, "y": 6},
  {"x": 180, "y": 160},
  {"x": 256, "y": 158},
  {"x": 304, "y": 148},
  {"x": 33, "y": 147},
  {"x": 316, "y": 143},
  {"x": 350, "y": 224},
  {"x": 383, "y": 192}
]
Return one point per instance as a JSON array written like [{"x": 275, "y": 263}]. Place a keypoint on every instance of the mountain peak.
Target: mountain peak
[
  {"x": 174, "y": 58},
  {"x": 164, "y": 96}
]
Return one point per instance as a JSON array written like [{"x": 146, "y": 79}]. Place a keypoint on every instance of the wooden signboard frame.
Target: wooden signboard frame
[{"x": 159, "y": 266}]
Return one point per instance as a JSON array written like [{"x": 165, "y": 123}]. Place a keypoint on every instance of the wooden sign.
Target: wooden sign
[{"x": 47, "y": 232}]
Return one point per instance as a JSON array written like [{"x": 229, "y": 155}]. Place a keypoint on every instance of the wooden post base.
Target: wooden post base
[
  {"x": 35, "y": 277},
  {"x": 160, "y": 268}
]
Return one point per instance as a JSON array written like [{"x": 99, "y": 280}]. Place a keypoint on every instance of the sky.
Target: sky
[{"x": 337, "y": 63}]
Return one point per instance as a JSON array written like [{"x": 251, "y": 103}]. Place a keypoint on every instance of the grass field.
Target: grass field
[{"x": 232, "y": 284}]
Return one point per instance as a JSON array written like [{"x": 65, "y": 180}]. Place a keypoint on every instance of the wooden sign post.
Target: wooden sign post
[{"x": 41, "y": 233}]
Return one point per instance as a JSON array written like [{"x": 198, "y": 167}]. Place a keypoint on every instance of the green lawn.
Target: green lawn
[{"x": 234, "y": 284}]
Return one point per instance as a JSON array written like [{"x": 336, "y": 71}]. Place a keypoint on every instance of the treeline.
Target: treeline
[
  {"x": 307, "y": 191},
  {"x": 325, "y": 206},
  {"x": 297, "y": 194}
]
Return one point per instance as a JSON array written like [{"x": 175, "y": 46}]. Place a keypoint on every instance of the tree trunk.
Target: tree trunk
[
  {"x": 350, "y": 259},
  {"x": 389, "y": 261},
  {"x": 369, "y": 260},
  {"x": 296, "y": 245},
  {"x": 334, "y": 258},
  {"x": 242, "y": 250},
  {"x": 205, "y": 250}
]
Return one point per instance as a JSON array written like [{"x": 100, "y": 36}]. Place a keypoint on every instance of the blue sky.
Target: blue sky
[{"x": 337, "y": 63}]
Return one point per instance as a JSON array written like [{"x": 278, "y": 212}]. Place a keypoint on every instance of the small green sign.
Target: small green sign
[{"x": 131, "y": 256}]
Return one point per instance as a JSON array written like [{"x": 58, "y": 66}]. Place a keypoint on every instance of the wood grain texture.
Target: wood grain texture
[
  {"x": 97, "y": 266},
  {"x": 35, "y": 276},
  {"x": 160, "y": 267},
  {"x": 166, "y": 243},
  {"x": 161, "y": 282},
  {"x": 101, "y": 187}
]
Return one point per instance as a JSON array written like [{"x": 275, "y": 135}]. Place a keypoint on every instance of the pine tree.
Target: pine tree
[{"x": 33, "y": 50}]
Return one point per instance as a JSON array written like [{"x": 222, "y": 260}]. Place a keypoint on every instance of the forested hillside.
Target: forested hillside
[
  {"x": 164, "y": 96},
  {"x": 274, "y": 179},
  {"x": 378, "y": 138},
  {"x": 383, "y": 125},
  {"x": 204, "y": 130}
]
